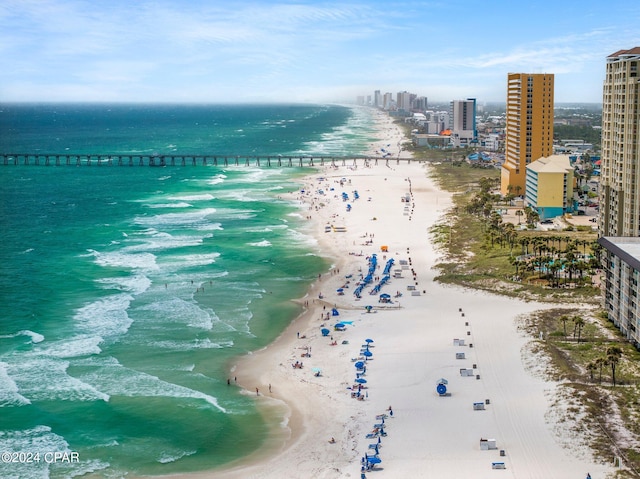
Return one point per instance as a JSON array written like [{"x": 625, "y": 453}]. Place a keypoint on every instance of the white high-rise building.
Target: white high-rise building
[{"x": 462, "y": 122}]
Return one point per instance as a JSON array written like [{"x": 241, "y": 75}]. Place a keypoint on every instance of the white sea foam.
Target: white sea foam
[
  {"x": 260, "y": 244},
  {"x": 118, "y": 380},
  {"x": 301, "y": 239},
  {"x": 72, "y": 347},
  {"x": 136, "y": 284},
  {"x": 181, "y": 204},
  {"x": 35, "y": 337},
  {"x": 119, "y": 259},
  {"x": 217, "y": 180},
  {"x": 176, "y": 263},
  {"x": 167, "y": 457},
  {"x": 184, "y": 219},
  {"x": 163, "y": 241},
  {"x": 9, "y": 392},
  {"x": 182, "y": 311},
  {"x": 104, "y": 318},
  {"x": 266, "y": 229},
  {"x": 199, "y": 197},
  {"x": 39, "y": 439},
  {"x": 192, "y": 344},
  {"x": 43, "y": 378}
]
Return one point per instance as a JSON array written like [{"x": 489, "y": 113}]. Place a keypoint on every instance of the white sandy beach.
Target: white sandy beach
[{"x": 428, "y": 435}]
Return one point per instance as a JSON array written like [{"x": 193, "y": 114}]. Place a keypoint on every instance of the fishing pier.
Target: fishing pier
[{"x": 158, "y": 160}]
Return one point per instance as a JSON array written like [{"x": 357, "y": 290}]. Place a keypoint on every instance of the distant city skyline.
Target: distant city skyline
[{"x": 303, "y": 50}]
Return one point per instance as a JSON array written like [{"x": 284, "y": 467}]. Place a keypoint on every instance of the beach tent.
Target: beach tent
[
  {"x": 335, "y": 312},
  {"x": 339, "y": 327}
]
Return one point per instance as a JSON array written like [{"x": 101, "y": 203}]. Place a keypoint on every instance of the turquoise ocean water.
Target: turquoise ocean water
[{"x": 126, "y": 291}]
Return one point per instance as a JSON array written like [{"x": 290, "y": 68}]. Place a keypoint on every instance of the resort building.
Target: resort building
[
  {"x": 622, "y": 273},
  {"x": 619, "y": 222},
  {"x": 403, "y": 101},
  {"x": 529, "y": 129},
  {"x": 620, "y": 173},
  {"x": 377, "y": 99},
  {"x": 549, "y": 186},
  {"x": 462, "y": 122}
]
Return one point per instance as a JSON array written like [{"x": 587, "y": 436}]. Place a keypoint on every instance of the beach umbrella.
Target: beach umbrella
[
  {"x": 359, "y": 365},
  {"x": 340, "y": 290},
  {"x": 368, "y": 308},
  {"x": 374, "y": 460},
  {"x": 325, "y": 331},
  {"x": 367, "y": 353},
  {"x": 385, "y": 295},
  {"x": 368, "y": 340},
  {"x": 361, "y": 380}
]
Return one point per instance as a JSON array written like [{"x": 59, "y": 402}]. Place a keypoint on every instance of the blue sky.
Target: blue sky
[{"x": 304, "y": 50}]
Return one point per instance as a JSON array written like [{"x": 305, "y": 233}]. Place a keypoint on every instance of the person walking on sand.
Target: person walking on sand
[{"x": 257, "y": 392}]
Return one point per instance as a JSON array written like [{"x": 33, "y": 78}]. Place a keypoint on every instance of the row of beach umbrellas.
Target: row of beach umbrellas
[{"x": 373, "y": 264}]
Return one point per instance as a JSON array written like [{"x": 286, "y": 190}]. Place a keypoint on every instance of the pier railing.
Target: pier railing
[{"x": 42, "y": 159}]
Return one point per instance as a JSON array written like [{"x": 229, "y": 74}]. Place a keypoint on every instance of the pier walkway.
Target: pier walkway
[{"x": 69, "y": 159}]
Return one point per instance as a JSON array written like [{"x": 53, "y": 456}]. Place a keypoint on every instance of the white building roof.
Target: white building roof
[{"x": 551, "y": 164}]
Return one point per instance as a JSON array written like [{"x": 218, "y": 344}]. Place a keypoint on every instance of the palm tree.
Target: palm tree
[
  {"x": 519, "y": 214},
  {"x": 564, "y": 318},
  {"x": 591, "y": 367},
  {"x": 601, "y": 362},
  {"x": 578, "y": 324},
  {"x": 614, "y": 353}
]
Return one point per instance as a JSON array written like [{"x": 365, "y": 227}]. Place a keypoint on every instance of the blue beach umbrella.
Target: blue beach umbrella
[
  {"x": 368, "y": 340},
  {"x": 361, "y": 380},
  {"x": 359, "y": 365},
  {"x": 367, "y": 353},
  {"x": 374, "y": 460},
  {"x": 325, "y": 331}
]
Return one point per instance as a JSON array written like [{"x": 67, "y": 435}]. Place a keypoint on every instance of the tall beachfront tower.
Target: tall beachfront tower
[
  {"x": 462, "y": 122},
  {"x": 529, "y": 132},
  {"x": 620, "y": 167}
]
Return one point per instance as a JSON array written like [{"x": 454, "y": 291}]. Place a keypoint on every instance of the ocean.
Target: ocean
[{"x": 126, "y": 292}]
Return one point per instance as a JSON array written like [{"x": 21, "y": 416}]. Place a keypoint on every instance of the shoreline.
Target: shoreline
[{"x": 413, "y": 347}]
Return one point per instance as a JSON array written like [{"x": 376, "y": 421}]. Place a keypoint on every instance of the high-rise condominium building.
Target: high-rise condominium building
[
  {"x": 620, "y": 192},
  {"x": 620, "y": 169},
  {"x": 462, "y": 122},
  {"x": 529, "y": 132}
]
